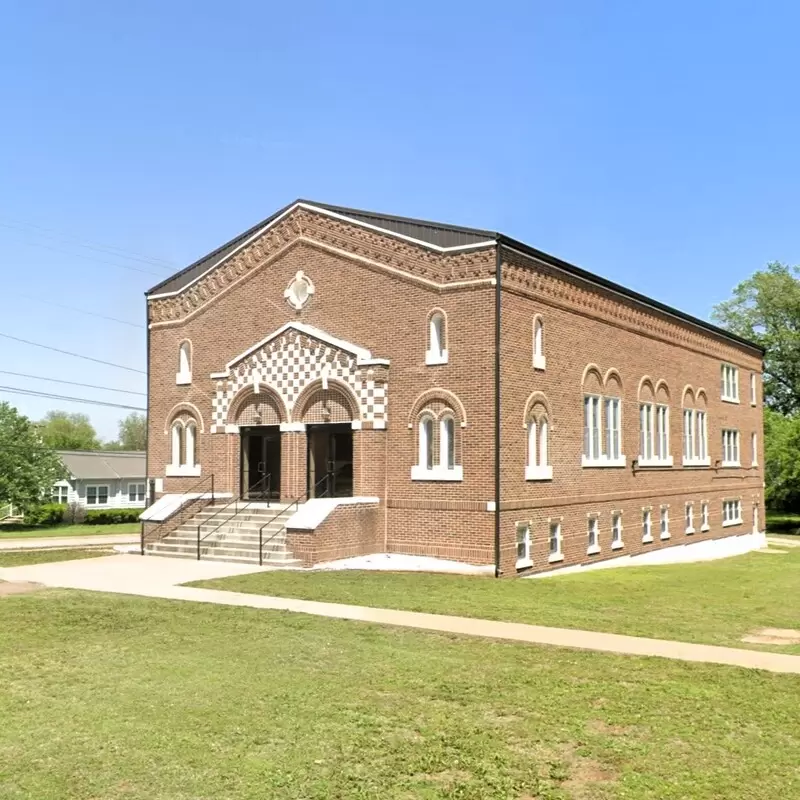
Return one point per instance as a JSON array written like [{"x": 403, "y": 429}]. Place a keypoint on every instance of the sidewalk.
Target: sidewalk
[
  {"x": 61, "y": 542},
  {"x": 151, "y": 576}
]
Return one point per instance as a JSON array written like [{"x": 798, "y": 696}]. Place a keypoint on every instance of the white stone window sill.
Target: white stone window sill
[
  {"x": 734, "y": 400},
  {"x": 183, "y": 471},
  {"x": 731, "y": 464},
  {"x": 593, "y": 550},
  {"x": 539, "y": 473},
  {"x": 647, "y": 539},
  {"x": 731, "y": 522},
  {"x": 705, "y": 528},
  {"x": 666, "y": 535},
  {"x": 555, "y": 558},
  {"x": 689, "y": 531},
  {"x": 524, "y": 563},
  {"x": 432, "y": 358},
  {"x": 617, "y": 545},
  {"x": 603, "y": 462},
  {"x": 539, "y": 362},
  {"x": 183, "y": 378},
  {"x": 696, "y": 462},
  {"x": 419, "y": 473},
  {"x": 654, "y": 462}
]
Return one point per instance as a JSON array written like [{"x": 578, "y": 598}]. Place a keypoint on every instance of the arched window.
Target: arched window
[
  {"x": 426, "y": 443},
  {"x": 438, "y": 443},
  {"x": 183, "y": 447},
  {"x": 654, "y": 446},
  {"x": 447, "y": 443},
  {"x": 537, "y": 467},
  {"x": 539, "y": 361},
  {"x": 695, "y": 429},
  {"x": 190, "y": 439},
  {"x": 437, "y": 339},
  {"x": 177, "y": 444},
  {"x": 184, "y": 374}
]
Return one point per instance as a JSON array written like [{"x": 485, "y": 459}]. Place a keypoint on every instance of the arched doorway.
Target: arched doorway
[
  {"x": 328, "y": 413},
  {"x": 258, "y": 417}
]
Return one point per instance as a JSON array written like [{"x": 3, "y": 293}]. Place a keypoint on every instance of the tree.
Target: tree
[
  {"x": 28, "y": 466},
  {"x": 782, "y": 468},
  {"x": 132, "y": 433},
  {"x": 63, "y": 431},
  {"x": 765, "y": 308}
]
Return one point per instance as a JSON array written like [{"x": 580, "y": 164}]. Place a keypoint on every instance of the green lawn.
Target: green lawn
[
  {"x": 20, "y": 558},
  {"x": 121, "y": 698},
  {"x": 714, "y": 602},
  {"x": 778, "y": 522},
  {"x": 36, "y": 532}
]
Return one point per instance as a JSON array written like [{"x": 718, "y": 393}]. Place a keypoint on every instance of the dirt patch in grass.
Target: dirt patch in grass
[
  {"x": 599, "y": 726},
  {"x": 18, "y": 587},
  {"x": 773, "y": 636}
]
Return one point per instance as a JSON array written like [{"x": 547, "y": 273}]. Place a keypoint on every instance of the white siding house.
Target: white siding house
[{"x": 100, "y": 479}]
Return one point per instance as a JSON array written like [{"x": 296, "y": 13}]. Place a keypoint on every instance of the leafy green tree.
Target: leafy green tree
[
  {"x": 781, "y": 453},
  {"x": 28, "y": 466},
  {"x": 765, "y": 308},
  {"x": 132, "y": 433},
  {"x": 63, "y": 431}
]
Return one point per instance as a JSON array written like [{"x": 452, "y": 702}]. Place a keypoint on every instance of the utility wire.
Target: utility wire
[
  {"x": 31, "y": 393},
  {"x": 49, "y": 233},
  {"x": 74, "y": 355},
  {"x": 98, "y": 260},
  {"x": 71, "y": 383},
  {"x": 81, "y": 311}
]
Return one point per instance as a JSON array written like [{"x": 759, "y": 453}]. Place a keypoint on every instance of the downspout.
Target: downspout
[{"x": 497, "y": 296}]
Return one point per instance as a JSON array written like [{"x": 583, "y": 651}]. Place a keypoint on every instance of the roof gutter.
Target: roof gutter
[{"x": 497, "y": 306}]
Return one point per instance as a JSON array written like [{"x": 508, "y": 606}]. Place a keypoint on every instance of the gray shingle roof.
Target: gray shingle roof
[{"x": 86, "y": 464}]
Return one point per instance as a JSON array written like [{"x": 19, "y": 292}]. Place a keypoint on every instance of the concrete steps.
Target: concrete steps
[{"x": 233, "y": 537}]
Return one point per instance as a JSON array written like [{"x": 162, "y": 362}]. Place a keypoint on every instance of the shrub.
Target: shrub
[
  {"x": 46, "y": 514},
  {"x": 112, "y": 516},
  {"x": 75, "y": 514}
]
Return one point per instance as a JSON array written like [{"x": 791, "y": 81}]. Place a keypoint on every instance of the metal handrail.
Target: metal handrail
[
  {"x": 267, "y": 480},
  {"x": 190, "y": 490},
  {"x": 295, "y": 502}
]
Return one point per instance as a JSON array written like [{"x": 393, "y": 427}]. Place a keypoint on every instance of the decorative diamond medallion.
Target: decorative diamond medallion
[{"x": 299, "y": 290}]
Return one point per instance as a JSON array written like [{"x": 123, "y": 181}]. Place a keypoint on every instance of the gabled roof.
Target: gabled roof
[
  {"x": 104, "y": 465},
  {"x": 437, "y": 236}
]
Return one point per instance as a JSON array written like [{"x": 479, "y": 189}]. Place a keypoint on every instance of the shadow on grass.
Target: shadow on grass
[{"x": 783, "y": 523}]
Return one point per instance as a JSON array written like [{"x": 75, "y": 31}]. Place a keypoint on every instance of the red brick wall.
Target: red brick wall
[{"x": 377, "y": 292}]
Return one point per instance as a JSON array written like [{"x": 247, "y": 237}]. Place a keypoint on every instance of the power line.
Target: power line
[
  {"x": 100, "y": 248},
  {"x": 98, "y": 260},
  {"x": 81, "y": 311},
  {"x": 74, "y": 355},
  {"x": 71, "y": 383},
  {"x": 31, "y": 393}
]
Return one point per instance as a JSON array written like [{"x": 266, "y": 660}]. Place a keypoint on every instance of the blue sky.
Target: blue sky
[{"x": 654, "y": 144}]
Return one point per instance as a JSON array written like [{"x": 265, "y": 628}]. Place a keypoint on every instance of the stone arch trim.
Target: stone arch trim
[
  {"x": 185, "y": 408},
  {"x": 341, "y": 388},
  {"x": 688, "y": 391},
  {"x": 701, "y": 398},
  {"x": 646, "y": 382},
  {"x": 534, "y": 399},
  {"x": 662, "y": 386},
  {"x": 246, "y": 392},
  {"x": 443, "y": 396},
  {"x": 590, "y": 369},
  {"x": 612, "y": 374}
]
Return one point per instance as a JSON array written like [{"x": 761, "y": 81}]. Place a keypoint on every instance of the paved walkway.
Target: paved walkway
[
  {"x": 59, "y": 542},
  {"x": 152, "y": 576}
]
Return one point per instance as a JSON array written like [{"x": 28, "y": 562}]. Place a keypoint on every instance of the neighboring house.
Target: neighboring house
[
  {"x": 554, "y": 419},
  {"x": 100, "y": 479}
]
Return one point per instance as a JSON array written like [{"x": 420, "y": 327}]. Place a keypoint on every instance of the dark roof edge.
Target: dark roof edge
[
  {"x": 239, "y": 237},
  {"x": 604, "y": 283}
]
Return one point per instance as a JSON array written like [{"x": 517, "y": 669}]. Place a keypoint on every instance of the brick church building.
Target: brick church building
[{"x": 370, "y": 378}]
